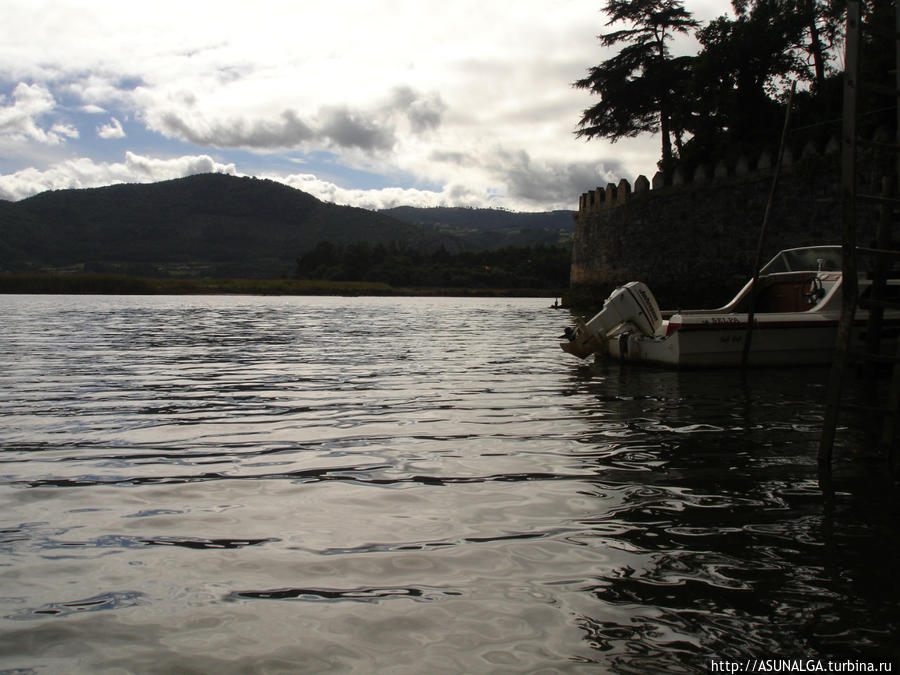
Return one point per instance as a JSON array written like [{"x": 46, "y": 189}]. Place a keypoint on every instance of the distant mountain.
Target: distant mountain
[
  {"x": 210, "y": 224},
  {"x": 491, "y": 228},
  {"x": 226, "y": 226}
]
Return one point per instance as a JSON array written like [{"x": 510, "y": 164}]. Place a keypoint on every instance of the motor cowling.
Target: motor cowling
[{"x": 632, "y": 304}]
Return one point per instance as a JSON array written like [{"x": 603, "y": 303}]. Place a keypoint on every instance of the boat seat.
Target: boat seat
[{"x": 785, "y": 294}]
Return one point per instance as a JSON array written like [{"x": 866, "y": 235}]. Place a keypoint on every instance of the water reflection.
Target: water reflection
[
  {"x": 421, "y": 485},
  {"x": 728, "y": 544}
]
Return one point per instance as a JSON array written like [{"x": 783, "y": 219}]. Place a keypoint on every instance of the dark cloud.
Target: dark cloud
[
  {"x": 352, "y": 129},
  {"x": 341, "y": 125},
  {"x": 424, "y": 112},
  {"x": 552, "y": 182},
  {"x": 285, "y": 132},
  {"x": 458, "y": 158}
]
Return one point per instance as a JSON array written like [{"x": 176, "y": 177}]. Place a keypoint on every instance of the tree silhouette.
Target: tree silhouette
[
  {"x": 808, "y": 30},
  {"x": 639, "y": 86},
  {"x": 744, "y": 69}
]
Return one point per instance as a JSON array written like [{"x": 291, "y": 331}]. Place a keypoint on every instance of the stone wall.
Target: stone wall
[{"x": 693, "y": 239}]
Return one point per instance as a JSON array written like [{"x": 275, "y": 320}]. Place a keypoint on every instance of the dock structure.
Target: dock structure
[{"x": 881, "y": 257}]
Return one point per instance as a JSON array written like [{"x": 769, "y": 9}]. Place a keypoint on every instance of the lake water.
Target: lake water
[{"x": 249, "y": 484}]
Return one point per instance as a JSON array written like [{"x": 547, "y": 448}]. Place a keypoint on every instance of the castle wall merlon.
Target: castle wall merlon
[
  {"x": 700, "y": 174},
  {"x": 610, "y": 200},
  {"x": 623, "y": 192},
  {"x": 618, "y": 194}
]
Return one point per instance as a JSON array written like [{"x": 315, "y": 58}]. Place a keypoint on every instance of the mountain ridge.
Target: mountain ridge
[
  {"x": 484, "y": 228},
  {"x": 209, "y": 224}
]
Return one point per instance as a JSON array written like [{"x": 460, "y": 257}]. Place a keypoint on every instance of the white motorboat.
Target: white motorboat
[{"x": 797, "y": 312}]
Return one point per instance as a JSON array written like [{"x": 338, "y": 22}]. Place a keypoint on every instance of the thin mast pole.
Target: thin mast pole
[{"x": 751, "y": 313}]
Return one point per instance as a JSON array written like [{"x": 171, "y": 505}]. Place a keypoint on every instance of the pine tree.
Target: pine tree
[{"x": 639, "y": 86}]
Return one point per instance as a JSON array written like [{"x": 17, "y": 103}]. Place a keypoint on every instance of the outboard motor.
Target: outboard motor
[{"x": 632, "y": 303}]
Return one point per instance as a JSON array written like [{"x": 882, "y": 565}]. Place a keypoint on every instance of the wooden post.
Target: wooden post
[
  {"x": 891, "y": 428},
  {"x": 881, "y": 268},
  {"x": 848, "y": 218}
]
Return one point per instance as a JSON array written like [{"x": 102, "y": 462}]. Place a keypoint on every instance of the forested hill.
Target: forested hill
[
  {"x": 491, "y": 228},
  {"x": 206, "y": 224},
  {"x": 211, "y": 224}
]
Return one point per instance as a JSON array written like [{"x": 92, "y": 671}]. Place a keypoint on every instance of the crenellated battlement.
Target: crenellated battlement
[{"x": 614, "y": 195}]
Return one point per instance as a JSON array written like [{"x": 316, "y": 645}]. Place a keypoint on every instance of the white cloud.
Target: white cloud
[
  {"x": 112, "y": 130},
  {"x": 154, "y": 169},
  {"x": 384, "y": 198},
  {"x": 19, "y": 121},
  {"x": 85, "y": 173},
  {"x": 472, "y": 97},
  {"x": 58, "y": 130}
]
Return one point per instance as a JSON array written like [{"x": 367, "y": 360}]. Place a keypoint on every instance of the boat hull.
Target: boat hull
[
  {"x": 718, "y": 341},
  {"x": 798, "y": 304}
]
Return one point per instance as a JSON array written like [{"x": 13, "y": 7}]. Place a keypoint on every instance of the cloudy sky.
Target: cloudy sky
[{"x": 371, "y": 103}]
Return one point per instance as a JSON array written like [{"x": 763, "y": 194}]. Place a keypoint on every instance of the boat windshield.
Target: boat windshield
[{"x": 811, "y": 259}]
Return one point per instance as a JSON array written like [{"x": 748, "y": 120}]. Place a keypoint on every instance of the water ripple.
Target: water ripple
[
  {"x": 98, "y": 603},
  {"x": 421, "y": 485},
  {"x": 335, "y": 595}
]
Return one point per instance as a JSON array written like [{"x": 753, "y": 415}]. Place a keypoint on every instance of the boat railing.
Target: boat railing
[{"x": 778, "y": 292}]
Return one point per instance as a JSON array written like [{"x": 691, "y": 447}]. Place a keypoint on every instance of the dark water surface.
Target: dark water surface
[{"x": 241, "y": 484}]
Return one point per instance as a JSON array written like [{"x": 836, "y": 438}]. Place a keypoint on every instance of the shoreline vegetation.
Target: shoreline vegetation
[{"x": 112, "y": 284}]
